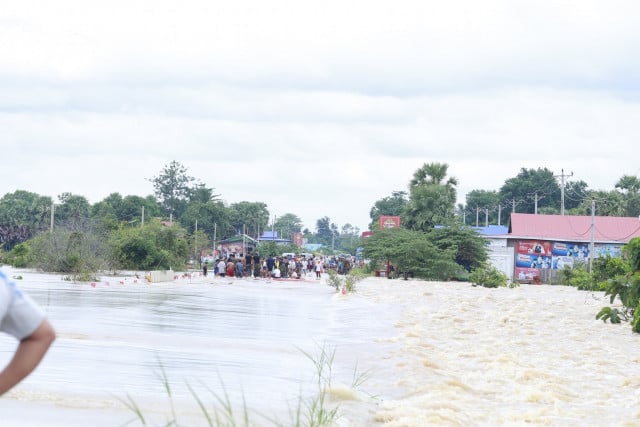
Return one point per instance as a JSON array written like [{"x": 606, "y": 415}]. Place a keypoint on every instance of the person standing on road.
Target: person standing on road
[{"x": 23, "y": 319}]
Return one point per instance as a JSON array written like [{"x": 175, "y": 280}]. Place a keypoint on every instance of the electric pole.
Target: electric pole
[{"x": 562, "y": 176}]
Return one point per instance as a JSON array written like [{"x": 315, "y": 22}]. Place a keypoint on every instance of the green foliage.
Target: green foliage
[
  {"x": 20, "y": 256},
  {"x": 411, "y": 251},
  {"x": 253, "y": 217},
  {"x": 393, "y": 205},
  {"x": 483, "y": 199},
  {"x": 73, "y": 211},
  {"x": 333, "y": 279},
  {"x": 173, "y": 187},
  {"x": 635, "y": 322},
  {"x": 78, "y": 253},
  {"x": 627, "y": 289},
  {"x": 152, "y": 247},
  {"x": 27, "y": 209},
  {"x": 315, "y": 411},
  {"x": 528, "y": 182},
  {"x": 470, "y": 248},
  {"x": 431, "y": 198},
  {"x": 582, "y": 279},
  {"x": 632, "y": 252},
  {"x": 347, "y": 281},
  {"x": 579, "y": 277},
  {"x": 266, "y": 248},
  {"x": 488, "y": 276},
  {"x": 606, "y": 267},
  {"x": 610, "y": 314}
]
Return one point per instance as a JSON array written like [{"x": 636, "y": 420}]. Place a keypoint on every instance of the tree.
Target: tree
[
  {"x": 325, "y": 231},
  {"x": 470, "y": 248},
  {"x": 288, "y": 224},
  {"x": 74, "y": 252},
  {"x": 172, "y": 188},
  {"x": 531, "y": 187},
  {"x": 410, "y": 250},
  {"x": 73, "y": 211},
  {"x": 393, "y": 205},
  {"x": 607, "y": 203},
  {"x": 479, "y": 201},
  {"x": 152, "y": 247},
  {"x": 209, "y": 216},
  {"x": 429, "y": 205},
  {"x": 575, "y": 193},
  {"x": 253, "y": 217},
  {"x": 630, "y": 188},
  {"x": 431, "y": 199},
  {"x": 349, "y": 239},
  {"x": 26, "y": 209},
  {"x": 432, "y": 173}
]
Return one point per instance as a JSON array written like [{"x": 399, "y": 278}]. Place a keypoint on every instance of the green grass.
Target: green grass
[{"x": 314, "y": 411}]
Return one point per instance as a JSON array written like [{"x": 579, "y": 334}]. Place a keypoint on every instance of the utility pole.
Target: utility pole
[
  {"x": 499, "y": 212},
  {"x": 562, "y": 176},
  {"x": 195, "y": 241},
  {"x": 53, "y": 208},
  {"x": 215, "y": 227},
  {"x": 477, "y": 216},
  {"x": 142, "y": 220},
  {"x": 486, "y": 217},
  {"x": 593, "y": 228}
]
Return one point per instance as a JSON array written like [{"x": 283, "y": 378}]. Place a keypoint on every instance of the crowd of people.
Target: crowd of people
[{"x": 277, "y": 267}]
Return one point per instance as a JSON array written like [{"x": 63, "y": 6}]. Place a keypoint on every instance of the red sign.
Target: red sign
[
  {"x": 366, "y": 234},
  {"x": 389, "y": 221},
  {"x": 297, "y": 239}
]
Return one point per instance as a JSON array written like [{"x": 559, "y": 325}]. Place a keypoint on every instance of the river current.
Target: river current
[{"x": 394, "y": 353}]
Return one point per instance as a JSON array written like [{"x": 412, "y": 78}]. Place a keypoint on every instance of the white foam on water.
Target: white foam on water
[{"x": 404, "y": 353}]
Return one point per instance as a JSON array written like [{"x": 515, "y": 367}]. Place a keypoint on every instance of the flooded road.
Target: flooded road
[{"x": 433, "y": 353}]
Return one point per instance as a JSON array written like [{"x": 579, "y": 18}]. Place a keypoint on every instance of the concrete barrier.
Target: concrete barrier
[{"x": 161, "y": 276}]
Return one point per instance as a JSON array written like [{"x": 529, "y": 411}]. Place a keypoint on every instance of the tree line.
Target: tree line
[
  {"x": 159, "y": 231},
  {"x": 431, "y": 198}
]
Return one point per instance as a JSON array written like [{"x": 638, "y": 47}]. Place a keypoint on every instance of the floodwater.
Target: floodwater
[{"x": 428, "y": 353}]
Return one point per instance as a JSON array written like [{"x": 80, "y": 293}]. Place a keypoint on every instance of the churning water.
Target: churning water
[{"x": 429, "y": 353}]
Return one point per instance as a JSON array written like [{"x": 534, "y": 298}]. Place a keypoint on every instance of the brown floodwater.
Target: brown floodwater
[{"x": 403, "y": 353}]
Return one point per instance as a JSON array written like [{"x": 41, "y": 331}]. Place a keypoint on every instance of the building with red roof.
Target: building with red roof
[{"x": 543, "y": 242}]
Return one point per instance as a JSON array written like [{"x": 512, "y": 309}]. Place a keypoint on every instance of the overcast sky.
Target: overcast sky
[{"x": 316, "y": 108}]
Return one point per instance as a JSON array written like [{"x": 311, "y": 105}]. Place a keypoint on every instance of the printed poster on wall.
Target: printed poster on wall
[
  {"x": 604, "y": 249},
  {"x": 527, "y": 273},
  {"x": 533, "y": 254}
]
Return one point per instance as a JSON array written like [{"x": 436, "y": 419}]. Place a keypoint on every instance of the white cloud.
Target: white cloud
[{"x": 317, "y": 109}]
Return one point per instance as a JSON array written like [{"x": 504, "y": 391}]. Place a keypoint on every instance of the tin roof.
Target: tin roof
[
  {"x": 611, "y": 229},
  {"x": 492, "y": 230}
]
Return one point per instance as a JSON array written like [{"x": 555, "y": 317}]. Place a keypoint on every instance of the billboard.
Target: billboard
[{"x": 386, "y": 221}]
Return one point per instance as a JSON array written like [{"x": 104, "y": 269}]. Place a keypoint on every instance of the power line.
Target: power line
[{"x": 562, "y": 176}]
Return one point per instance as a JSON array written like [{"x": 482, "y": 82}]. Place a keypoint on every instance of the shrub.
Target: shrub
[
  {"x": 488, "y": 276},
  {"x": 19, "y": 256}
]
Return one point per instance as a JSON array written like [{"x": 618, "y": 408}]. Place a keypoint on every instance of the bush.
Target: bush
[
  {"x": 488, "y": 276},
  {"x": 19, "y": 256}
]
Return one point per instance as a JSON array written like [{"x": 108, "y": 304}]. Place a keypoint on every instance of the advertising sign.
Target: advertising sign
[
  {"x": 297, "y": 239},
  {"x": 389, "y": 221}
]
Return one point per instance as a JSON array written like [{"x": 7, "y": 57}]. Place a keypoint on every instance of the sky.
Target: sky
[{"x": 315, "y": 108}]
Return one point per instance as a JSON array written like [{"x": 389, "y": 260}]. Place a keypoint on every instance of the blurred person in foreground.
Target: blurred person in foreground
[{"x": 23, "y": 319}]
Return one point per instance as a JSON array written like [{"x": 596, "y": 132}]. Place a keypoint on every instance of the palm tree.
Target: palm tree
[{"x": 432, "y": 173}]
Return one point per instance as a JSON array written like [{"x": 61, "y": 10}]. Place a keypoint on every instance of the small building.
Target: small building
[
  {"x": 272, "y": 236},
  {"x": 543, "y": 243},
  {"x": 499, "y": 254},
  {"x": 240, "y": 244}
]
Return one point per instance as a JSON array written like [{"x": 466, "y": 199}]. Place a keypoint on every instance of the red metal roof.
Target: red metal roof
[{"x": 611, "y": 229}]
